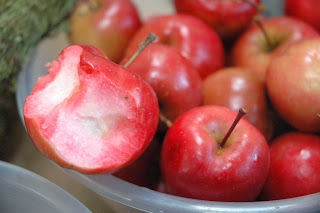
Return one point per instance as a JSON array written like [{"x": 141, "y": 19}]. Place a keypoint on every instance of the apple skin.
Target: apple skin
[
  {"x": 202, "y": 47},
  {"x": 228, "y": 18},
  {"x": 144, "y": 171},
  {"x": 236, "y": 88},
  {"x": 307, "y": 11},
  {"x": 293, "y": 85},
  {"x": 250, "y": 50},
  {"x": 171, "y": 76},
  {"x": 294, "y": 166},
  {"x": 193, "y": 166},
  {"x": 105, "y": 24},
  {"x": 85, "y": 108}
]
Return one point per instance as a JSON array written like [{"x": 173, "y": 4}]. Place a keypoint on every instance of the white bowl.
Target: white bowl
[{"x": 24, "y": 191}]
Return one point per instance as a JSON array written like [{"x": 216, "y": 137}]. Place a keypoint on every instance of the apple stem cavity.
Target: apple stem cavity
[
  {"x": 150, "y": 38},
  {"x": 257, "y": 20},
  {"x": 241, "y": 113}
]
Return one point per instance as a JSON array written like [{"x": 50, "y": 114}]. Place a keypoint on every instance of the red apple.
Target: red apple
[
  {"x": 171, "y": 76},
  {"x": 145, "y": 171},
  {"x": 252, "y": 51},
  {"x": 196, "y": 165},
  {"x": 235, "y": 88},
  {"x": 195, "y": 40},
  {"x": 294, "y": 166},
  {"x": 293, "y": 84},
  {"x": 89, "y": 114},
  {"x": 229, "y": 18},
  {"x": 105, "y": 24},
  {"x": 307, "y": 11}
]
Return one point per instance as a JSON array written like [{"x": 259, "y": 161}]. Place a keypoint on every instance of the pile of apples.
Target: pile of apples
[{"x": 223, "y": 104}]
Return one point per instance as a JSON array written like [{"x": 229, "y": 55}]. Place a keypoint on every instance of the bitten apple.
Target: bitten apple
[
  {"x": 293, "y": 85},
  {"x": 105, "y": 24},
  {"x": 196, "y": 165},
  {"x": 294, "y": 166},
  {"x": 229, "y": 18},
  {"x": 254, "y": 50},
  {"x": 195, "y": 40},
  {"x": 89, "y": 114},
  {"x": 235, "y": 88}
]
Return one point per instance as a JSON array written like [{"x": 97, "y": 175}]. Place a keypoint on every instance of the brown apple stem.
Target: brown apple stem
[
  {"x": 165, "y": 120},
  {"x": 257, "y": 20},
  {"x": 259, "y": 7},
  {"x": 150, "y": 38},
  {"x": 241, "y": 113}
]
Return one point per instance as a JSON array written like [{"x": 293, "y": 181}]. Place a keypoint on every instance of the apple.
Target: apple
[
  {"x": 293, "y": 85},
  {"x": 253, "y": 51},
  {"x": 145, "y": 171},
  {"x": 235, "y": 88},
  {"x": 229, "y": 18},
  {"x": 190, "y": 36},
  {"x": 171, "y": 76},
  {"x": 294, "y": 166},
  {"x": 200, "y": 159},
  {"x": 105, "y": 24},
  {"x": 307, "y": 11},
  {"x": 90, "y": 114}
]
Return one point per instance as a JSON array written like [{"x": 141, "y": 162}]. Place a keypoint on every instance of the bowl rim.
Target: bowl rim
[{"x": 140, "y": 198}]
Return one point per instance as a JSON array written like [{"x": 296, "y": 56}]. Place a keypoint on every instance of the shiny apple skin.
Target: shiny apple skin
[
  {"x": 236, "y": 88},
  {"x": 177, "y": 84},
  {"x": 251, "y": 51},
  {"x": 195, "y": 40},
  {"x": 105, "y": 24},
  {"x": 193, "y": 166},
  {"x": 229, "y": 18},
  {"x": 293, "y": 85},
  {"x": 294, "y": 166},
  {"x": 85, "y": 108},
  {"x": 307, "y": 11}
]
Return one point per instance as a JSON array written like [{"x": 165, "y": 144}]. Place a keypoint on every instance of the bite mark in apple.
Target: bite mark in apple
[{"x": 77, "y": 116}]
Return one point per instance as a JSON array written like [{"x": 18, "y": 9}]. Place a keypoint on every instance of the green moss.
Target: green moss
[{"x": 23, "y": 23}]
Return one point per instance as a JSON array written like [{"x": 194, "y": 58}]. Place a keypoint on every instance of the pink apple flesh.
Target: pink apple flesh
[{"x": 90, "y": 114}]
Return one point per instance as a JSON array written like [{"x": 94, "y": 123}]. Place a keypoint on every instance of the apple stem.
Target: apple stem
[
  {"x": 257, "y": 20},
  {"x": 259, "y": 7},
  {"x": 165, "y": 120},
  {"x": 150, "y": 38},
  {"x": 241, "y": 113}
]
